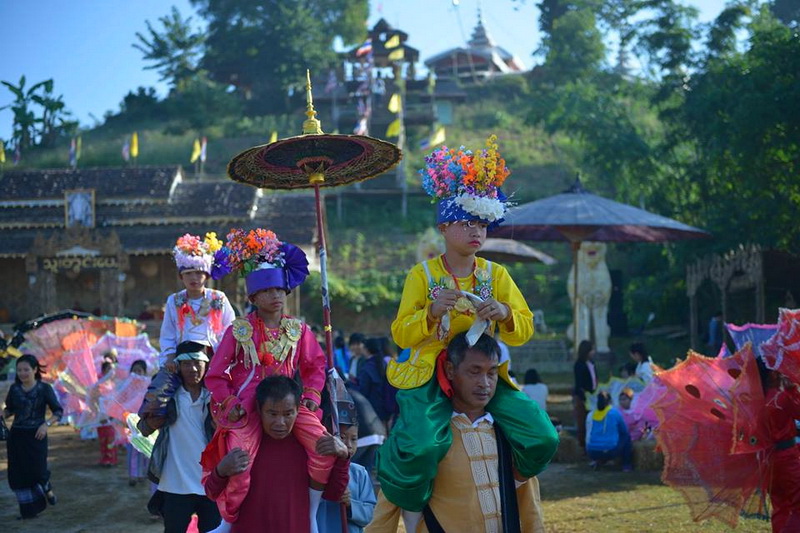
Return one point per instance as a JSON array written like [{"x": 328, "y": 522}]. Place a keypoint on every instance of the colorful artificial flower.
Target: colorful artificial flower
[
  {"x": 466, "y": 182},
  {"x": 245, "y": 251}
]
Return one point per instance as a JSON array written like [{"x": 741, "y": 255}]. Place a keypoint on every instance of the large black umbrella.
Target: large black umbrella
[{"x": 577, "y": 215}]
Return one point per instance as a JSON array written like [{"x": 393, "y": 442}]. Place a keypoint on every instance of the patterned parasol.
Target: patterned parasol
[
  {"x": 576, "y": 215},
  {"x": 311, "y": 161},
  {"x": 710, "y": 433},
  {"x": 782, "y": 351}
]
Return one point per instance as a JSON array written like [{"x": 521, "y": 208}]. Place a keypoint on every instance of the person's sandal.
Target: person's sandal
[{"x": 51, "y": 497}]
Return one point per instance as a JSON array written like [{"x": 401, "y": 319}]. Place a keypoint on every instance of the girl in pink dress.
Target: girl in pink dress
[{"x": 266, "y": 342}]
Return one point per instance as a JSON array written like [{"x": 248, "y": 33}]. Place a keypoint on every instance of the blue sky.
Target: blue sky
[{"x": 85, "y": 45}]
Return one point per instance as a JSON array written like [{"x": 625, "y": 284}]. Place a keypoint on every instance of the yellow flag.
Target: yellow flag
[
  {"x": 396, "y": 55},
  {"x": 273, "y": 137},
  {"x": 438, "y": 136},
  {"x": 2, "y": 152},
  {"x": 394, "y": 103},
  {"x": 135, "y": 145},
  {"x": 394, "y": 128},
  {"x": 392, "y": 42},
  {"x": 196, "y": 151},
  {"x": 78, "y": 146}
]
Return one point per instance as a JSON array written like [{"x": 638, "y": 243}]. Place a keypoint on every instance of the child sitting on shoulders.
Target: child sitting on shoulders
[{"x": 267, "y": 342}]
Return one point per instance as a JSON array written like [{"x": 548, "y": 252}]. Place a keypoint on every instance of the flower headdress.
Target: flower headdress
[
  {"x": 193, "y": 254},
  {"x": 262, "y": 259},
  {"x": 467, "y": 184}
]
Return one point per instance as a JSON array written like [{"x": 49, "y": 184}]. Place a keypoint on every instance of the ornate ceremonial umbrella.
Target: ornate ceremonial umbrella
[
  {"x": 315, "y": 160},
  {"x": 576, "y": 215},
  {"x": 311, "y": 161}
]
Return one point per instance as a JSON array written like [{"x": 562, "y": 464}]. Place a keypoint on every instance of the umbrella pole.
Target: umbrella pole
[
  {"x": 323, "y": 269},
  {"x": 326, "y": 324},
  {"x": 575, "y": 314}
]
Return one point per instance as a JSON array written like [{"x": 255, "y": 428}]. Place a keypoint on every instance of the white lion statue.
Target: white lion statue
[{"x": 594, "y": 292}]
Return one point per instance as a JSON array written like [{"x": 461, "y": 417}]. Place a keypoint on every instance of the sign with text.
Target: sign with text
[{"x": 76, "y": 264}]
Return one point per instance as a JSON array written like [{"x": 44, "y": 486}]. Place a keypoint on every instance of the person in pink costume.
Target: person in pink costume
[{"x": 265, "y": 343}]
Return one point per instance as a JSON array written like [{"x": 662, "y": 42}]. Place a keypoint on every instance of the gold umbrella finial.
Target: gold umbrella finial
[{"x": 311, "y": 125}]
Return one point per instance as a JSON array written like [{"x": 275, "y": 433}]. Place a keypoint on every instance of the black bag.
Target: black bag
[{"x": 3, "y": 430}]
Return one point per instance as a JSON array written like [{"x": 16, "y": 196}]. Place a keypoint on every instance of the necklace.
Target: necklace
[{"x": 463, "y": 304}]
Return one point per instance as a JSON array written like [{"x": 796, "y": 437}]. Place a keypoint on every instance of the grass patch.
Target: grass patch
[{"x": 578, "y": 499}]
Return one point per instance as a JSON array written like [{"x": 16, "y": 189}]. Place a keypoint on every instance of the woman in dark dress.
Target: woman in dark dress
[
  {"x": 27, "y": 400},
  {"x": 585, "y": 382}
]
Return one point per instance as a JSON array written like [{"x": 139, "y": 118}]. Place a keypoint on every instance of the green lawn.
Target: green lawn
[{"x": 578, "y": 499}]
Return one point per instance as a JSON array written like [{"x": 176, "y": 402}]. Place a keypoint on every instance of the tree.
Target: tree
[
  {"x": 30, "y": 130},
  {"x": 175, "y": 51},
  {"x": 571, "y": 44},
  {"x": 262, "y": 47}
]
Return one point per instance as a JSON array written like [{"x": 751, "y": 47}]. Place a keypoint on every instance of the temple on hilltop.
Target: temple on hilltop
[
  {"x": 354, "y": 96},
  {"x": 101, "y": 239},
  {"x": 479, "y": 60}
]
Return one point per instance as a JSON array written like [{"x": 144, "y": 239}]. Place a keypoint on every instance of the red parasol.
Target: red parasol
[
  {"x": 782, "y": 351},
  {"x": 315, "y": 160},
  {"x": 710, "y": 433}
]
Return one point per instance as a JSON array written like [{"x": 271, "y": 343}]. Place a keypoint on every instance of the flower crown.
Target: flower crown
[
  {"x": 471, "y": 181},
  {"x": 246, "y": 251},
  {"x": 192, "y": 253}
]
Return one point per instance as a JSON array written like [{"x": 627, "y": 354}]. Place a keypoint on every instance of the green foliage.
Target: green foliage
[
  {"x": 199, "y": 102},
  {"x": 174, "y": 51},
  {"x": 29, "y": 129},
  {"x": 264, "y": 47},
  {"x": 573, "y": 46}
]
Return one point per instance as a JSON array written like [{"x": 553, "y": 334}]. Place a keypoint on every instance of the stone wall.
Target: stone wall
[{"x": 545, "y": 355}]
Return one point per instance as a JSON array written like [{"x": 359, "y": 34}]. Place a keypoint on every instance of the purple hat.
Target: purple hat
[{"x": 287, "y": 272}]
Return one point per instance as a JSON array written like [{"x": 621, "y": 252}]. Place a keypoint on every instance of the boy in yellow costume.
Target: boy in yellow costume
[{"x": 442, "y": 297}]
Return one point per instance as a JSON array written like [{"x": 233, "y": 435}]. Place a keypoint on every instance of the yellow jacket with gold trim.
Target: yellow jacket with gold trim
[{"x": 411, "y": 329}]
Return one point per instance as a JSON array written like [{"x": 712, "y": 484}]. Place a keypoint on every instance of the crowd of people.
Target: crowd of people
[{"x": 254, "y": 432}]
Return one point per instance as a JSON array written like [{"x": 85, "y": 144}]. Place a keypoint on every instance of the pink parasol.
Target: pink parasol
[
  {"x": 710, "y": 433},
  {"x": 641, "y": 417},
  {"x": 128, "y": 350},
  {"x": 125, "y": 397},
  {"x": 782, "y": 351}
]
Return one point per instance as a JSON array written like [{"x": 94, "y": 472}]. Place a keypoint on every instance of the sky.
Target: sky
[{"x": 85, "y": 45}]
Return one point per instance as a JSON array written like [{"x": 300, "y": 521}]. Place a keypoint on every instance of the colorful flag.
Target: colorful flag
[
  {"x": 392, "y": 42},
  {"x": 332, "y": 81},
  {"x": 365, "y": 48},
  {"x": 17, "y": 155},
  {"x": 196, "y": 150},
  {"x": 78, "y": 146},
  {"x": 203, "y": 145},
  {"x": 126, "y": 150},
  {"x": 361, "y": 126},
  {"x": 135, "y": 145},
  {"x": 394, "y": 128},
  {"x": 397, "y": 55},
  {"x": 394, "y": 103},
  {"x": 273, "y": 136},
  {"x": 2, "y": 152},
  {"x": 437, "y": 137},
  {"x": 73, "y": 151}
]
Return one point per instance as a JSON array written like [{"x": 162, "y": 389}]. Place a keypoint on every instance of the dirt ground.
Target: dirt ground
[
  {"x": 575, "y": 498},
  {"x": 91, "y": 498}
]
